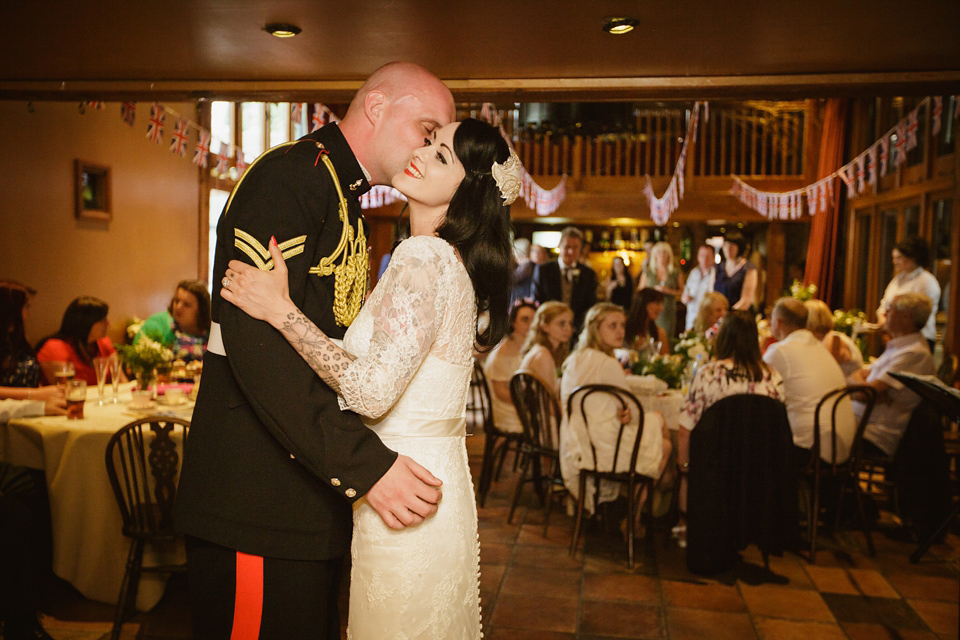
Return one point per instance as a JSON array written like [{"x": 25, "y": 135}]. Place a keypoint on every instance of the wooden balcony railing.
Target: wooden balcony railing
[{"x": 754, "y": 139}]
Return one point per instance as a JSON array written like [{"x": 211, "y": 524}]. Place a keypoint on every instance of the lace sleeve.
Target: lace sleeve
[{"x": 405, "y": 327}]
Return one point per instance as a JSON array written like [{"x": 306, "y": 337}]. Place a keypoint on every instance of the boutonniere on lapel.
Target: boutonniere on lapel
[{"x": 573, "y": 274}]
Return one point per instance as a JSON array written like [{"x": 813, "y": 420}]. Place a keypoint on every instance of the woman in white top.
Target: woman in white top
[
  {"x": 841, "y": 347},
  {"x": 910, "y": 257},
  {"x": 548, "y": 343},
  {"x": 592, "y": 362},
  {"x": 503, "y": 362}
]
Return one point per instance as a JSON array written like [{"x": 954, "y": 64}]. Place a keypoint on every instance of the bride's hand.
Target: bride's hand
[{"x": 264, "y": 295}]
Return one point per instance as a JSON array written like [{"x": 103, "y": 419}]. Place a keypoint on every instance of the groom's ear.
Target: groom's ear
[{"x": 373, "y": 106}]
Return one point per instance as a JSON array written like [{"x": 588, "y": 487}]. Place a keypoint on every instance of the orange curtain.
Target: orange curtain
[{"x": 823, "y": 247}]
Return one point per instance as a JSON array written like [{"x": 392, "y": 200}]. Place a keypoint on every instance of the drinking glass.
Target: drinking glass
[
  {"x": 101, "y": 365},
  {"x": 115, "y": 376},
  {"x": 63, "y": 372},
  {"x": 76, "y": 396}
]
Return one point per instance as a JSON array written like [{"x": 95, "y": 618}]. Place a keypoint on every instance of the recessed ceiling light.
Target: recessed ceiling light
[
  {"x": 619, "y": 25},
  {"x": 282, "y": 30}
]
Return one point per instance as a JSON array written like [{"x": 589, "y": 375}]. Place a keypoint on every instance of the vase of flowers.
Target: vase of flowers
[
  {"x": 143, "y": 359},
  {"x": 801, "y": 291}
]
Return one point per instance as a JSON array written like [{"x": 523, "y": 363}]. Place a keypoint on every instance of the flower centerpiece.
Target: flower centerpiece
[
  {"x": 144, "y": 356},
  {"x": 802, "y": 292},
  {"x": 669, "y": 368},
  {"x": 847, "y": 321}
]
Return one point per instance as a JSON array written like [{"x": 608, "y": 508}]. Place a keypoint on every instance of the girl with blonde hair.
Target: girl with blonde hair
[
  {"x": 661, "y": 274},
  {"x": 548, "y": 343}
]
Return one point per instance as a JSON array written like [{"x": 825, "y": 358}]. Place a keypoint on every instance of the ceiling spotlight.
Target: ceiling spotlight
[
  {"x": 619, "y": 25},
  {"x": 282, "y": 30}
]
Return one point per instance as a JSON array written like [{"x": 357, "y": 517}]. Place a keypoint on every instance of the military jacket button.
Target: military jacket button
[{"x": 350, "y": 493}]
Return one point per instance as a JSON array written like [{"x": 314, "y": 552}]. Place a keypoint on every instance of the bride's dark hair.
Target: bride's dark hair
[{"x": 478, "y": 224}]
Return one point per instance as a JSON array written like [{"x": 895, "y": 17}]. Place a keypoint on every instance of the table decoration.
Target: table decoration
[{"x": 143, "y": 358}]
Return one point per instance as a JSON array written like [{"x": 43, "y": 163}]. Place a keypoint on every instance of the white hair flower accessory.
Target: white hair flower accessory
[{"x": 509, "y": 177}]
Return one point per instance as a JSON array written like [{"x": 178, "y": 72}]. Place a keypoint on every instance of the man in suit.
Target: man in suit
[
  {"x": 272, "y": 465},
  {"x": 566, "y": 279}
]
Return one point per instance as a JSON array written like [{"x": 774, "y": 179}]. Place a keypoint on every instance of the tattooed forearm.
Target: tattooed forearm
[{"x": 319, "y": 351}]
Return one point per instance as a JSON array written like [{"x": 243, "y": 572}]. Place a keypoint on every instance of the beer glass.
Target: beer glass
[
  {"x": 63, "y": 372},
  {"x": 76, "y": 396}
]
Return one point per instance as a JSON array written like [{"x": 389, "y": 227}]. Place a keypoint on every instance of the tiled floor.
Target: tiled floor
[{"x": 532, "y": 590}]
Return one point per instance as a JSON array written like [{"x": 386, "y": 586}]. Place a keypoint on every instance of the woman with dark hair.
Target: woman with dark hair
[
  {"x": 736, "y": 367},
  {"x": 504, "y": 361},
  {"x": 185, "y": 325},
  {"x": 620, "y": 283},
  {"x": 642, "y": 327},
  {"x": 910, "y": 260},
  {"x": 81, "y": 338},
  {"x": 20, "y": 373},
  {"x": 737, "y": 277},
  {"x": 405, "y": 366}
]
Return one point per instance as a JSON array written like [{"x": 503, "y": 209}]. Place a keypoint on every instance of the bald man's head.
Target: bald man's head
[{"x": 399, "y": 106}]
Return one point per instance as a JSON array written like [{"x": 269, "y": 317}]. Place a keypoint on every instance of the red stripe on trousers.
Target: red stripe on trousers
[{"x": 248, "y": 605}]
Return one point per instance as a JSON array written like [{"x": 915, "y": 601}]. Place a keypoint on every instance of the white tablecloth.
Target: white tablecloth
[
  {"x": 668, "y": 402},
  {"x": 89, "y": 550}
]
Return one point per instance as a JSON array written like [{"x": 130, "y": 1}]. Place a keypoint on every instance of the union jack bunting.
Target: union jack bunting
[
  {"x": 96, "y": 105},
  {"x": 884, "y": 154},
  {"x": 178, "y": 144},
  {"x": 319, "y": 117},
  {"x": 936, "y": 114},
  {"x": 811, "y": 192},
  {"x": 128, "y": 112},
  {"x": 155, "y": 126},
  {"x": 859, "y": 163},
  {"x": 912, "y": 126},
  {"x": 872, "y": 165},
  {"x": 241, "y": 164},
  {"x": 296, "y": 111},
  {"x": 900, "y": 146},
  {"x": 203, "y": 148},
  {"x": 822, "y": 189},
  {"x": 846, "y": 174},
  {"x": 223, "y": 157}
]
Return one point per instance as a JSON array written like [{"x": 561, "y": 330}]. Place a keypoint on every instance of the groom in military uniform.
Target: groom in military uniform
[{"x": 272, "y": 465}]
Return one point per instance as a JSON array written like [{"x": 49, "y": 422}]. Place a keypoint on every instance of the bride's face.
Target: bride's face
[{"x": 433, "y": 174}]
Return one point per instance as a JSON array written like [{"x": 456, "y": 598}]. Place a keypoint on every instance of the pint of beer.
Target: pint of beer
[
  {"x": 63, "y": 374},
  {"x": 76, "y": 395}
]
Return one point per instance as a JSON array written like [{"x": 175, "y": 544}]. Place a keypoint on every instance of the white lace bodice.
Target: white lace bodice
[{"x": 414, "y": 335}]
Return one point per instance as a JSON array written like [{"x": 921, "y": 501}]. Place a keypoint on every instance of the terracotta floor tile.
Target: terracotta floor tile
[
  {"x": 535, "y": 613},
  {"x": 871, "y": 583},
  {"x": 715, "y": 597},
  {"x": 495, "y": 552},
  {"x": 696, "y": 624},
  {"x": 831, "y": 579},
  {"x": 783, "y": 602},
  {"x": 775, "y": 629},
  {"x": 788, "y": 565},
  {"x": 491, "y": 576},
  {"x": 557, "y": 536},
  {"x": 634, "y": 588},
  {"x": 873, "y": 631},
  {"x": 892, "y": 612},
  {"x": 537, "y": 581},
  {"x": 926, "y": 587},
  {"x": 941, "y": 617},
  {"x": 620, "y": 620},
  {"x": 547, "y": 557}
]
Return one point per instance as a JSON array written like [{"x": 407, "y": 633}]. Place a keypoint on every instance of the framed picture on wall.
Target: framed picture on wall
[{"x": 92, "y": 186}]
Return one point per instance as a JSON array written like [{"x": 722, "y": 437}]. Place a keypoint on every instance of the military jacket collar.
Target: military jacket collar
[{"x": 349, "y": 171}]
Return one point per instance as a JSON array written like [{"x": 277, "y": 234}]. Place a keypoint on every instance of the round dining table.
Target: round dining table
[{"x": 89, "y": 549}]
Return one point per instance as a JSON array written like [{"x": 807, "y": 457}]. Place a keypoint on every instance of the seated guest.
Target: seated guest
[
  {"x": 547, "y": 344},
  {"x": 910, "y": 259},
  {"x": 843, "y": 349},
  {"x": 736, "y": 368},
  {"x": 185, "y": 325},
  {"x": 642, "y": 328},
  {"x": 567, "y": 279},
  {"x": 809, "y": 372},
  {"x": 699, "y": 283},
  {"x": 503, "y": 362},
  {"x": 592, "y": 362},
  {"x": 20, "y": 372},
  {"x": 81, "y": 338},
  {"x": 906, "y": 351},
  {"x": 713, "y": 309}
]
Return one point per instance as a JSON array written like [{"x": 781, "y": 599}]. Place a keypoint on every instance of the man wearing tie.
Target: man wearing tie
[{"x": 566, "y": 279}]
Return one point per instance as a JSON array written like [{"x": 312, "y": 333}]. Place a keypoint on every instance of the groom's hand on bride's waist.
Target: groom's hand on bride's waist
[{"x": 405, "y": 495}]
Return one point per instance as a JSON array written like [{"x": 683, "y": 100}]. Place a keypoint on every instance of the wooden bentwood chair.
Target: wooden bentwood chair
[
  {"x": 817, "y": 469},
  {"x": 539, "y": 414},
  {"x": 496, "y": 443},
  {"x": 609, "y": 470},
  {"x": 143, "y": 464}
]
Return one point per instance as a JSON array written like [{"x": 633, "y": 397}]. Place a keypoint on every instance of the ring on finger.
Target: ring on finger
[{"x": 225, "y": 282}]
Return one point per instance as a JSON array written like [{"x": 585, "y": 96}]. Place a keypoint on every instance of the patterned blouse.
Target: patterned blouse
[
  {"x": 24, "y": 372},
  {"x": 716, "y": 380}
]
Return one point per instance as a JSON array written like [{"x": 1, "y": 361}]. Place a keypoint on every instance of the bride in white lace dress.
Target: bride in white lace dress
[{"x": 405, "y": 367}]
